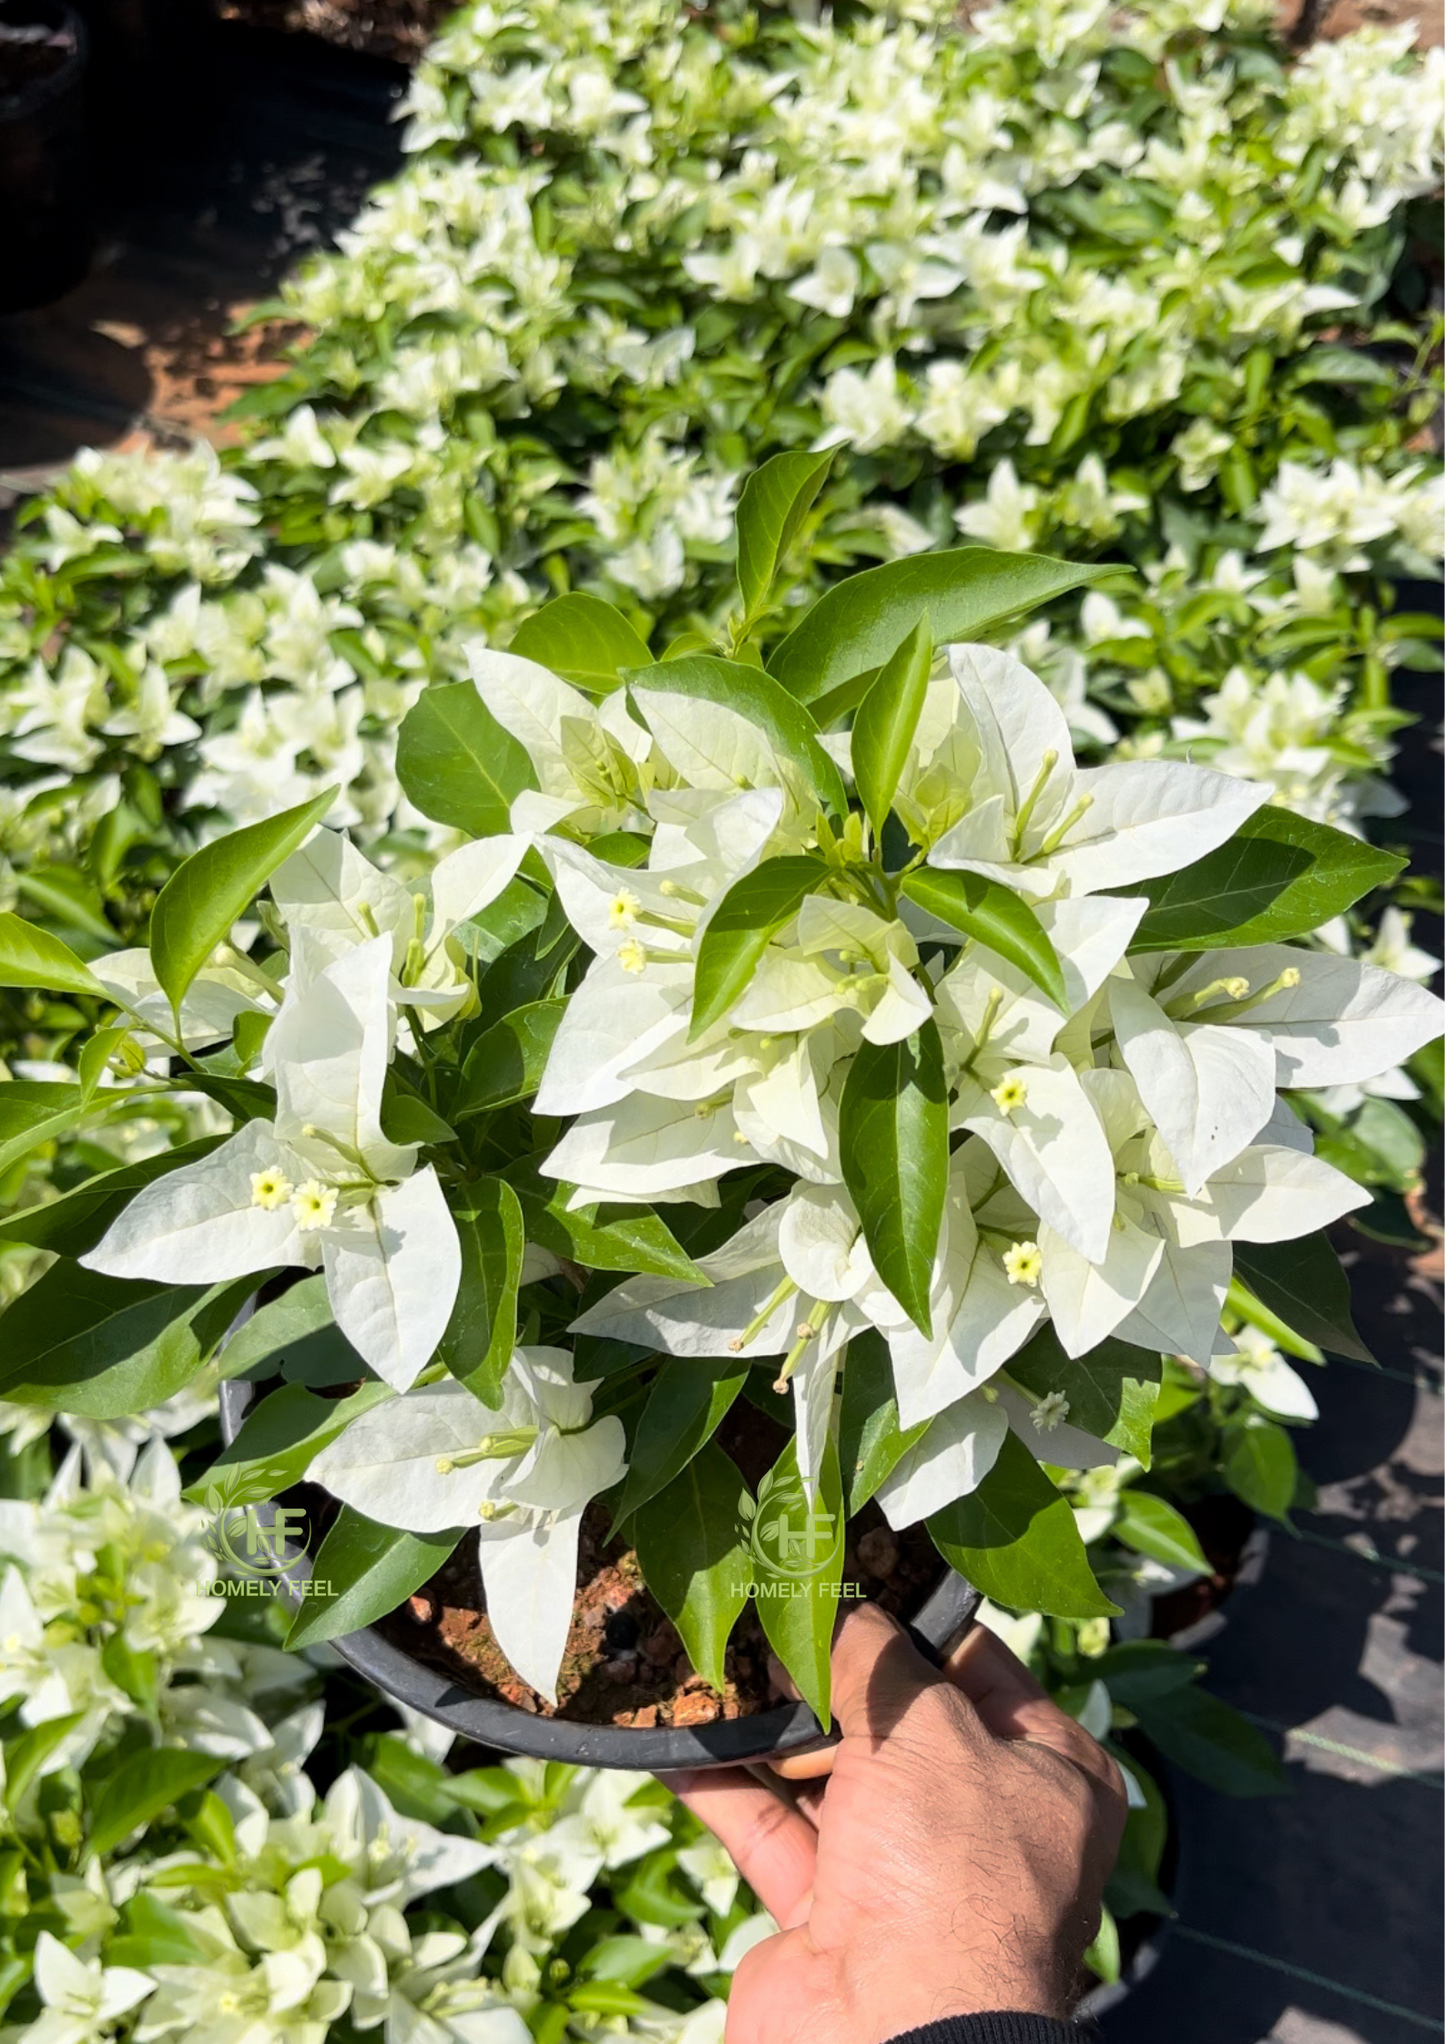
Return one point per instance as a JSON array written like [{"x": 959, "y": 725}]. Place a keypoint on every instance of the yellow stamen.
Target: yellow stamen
[{"x": 1023, "y": 1264}]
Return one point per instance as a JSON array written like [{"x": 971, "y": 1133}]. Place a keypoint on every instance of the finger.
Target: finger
[
  {"x": 797, "y": 1766},
  {"x": 878, "y": 1674},
  {"x": 772, "y": 1845},
  {"x": 1015, "y": 1705}
]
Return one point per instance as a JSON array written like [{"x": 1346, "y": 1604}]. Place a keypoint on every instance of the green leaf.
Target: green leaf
[
  {"x": 586, "y": 641},
  {"x": 1138, "y": 1671},
  {"x": 599, "y": 1237},
  {"x": 742, "y": 926},
  {"x": 107, "y": 1347},
  {"x": 506, "y": 1062},
  {"x": 482, "y": 1332},
  {"x": 132, "y": 1670},
  {"x": 141, "y": 1787},
  {"x": 407, "y": 1118},
  {"x": 694, "y": 1556},
  {"x": 995, "y": 916},
  {"x": 74, "y": 1223},
  {"x": 886, "y": 721},
  {"x": 687, "y": 1403},
  {"x": 870, "y": 1440},
  {"x": 798, "y": 1612},
  {"x": 32, "y": 958},
  {"x": 154, "y": 1935},
  {"x": 1016, "y": 1539},
  {"x": 278, "y": 1439},
  {"x": 1201, "y": 1734},
  {"x": 361, "y": 1572},
  {"x": 1152, "y": 1526},
  {"x": 301, "y": 1311},
  {"x": 749, "y": 693},
  {"x": 1279, "y": 876},
  {"x": 457, "y": 763},
  {"x": 1303, "y": 1283},
  {"x": 243, "y": 1099},
  {"x": 1258, "y": 1463},
  {"x": 207, "y": 893},
  {"x": 893, "y": 1140},
  {"x": 1103, "y": 1956},
  {"x": 25, "y": 1756},
  {"x": 857, "y": 623},
  {"x": 1134, "y": 1884},
  {"x": 776, "y": 499},
  {"x": 1112, "y": 1391},
  {"x": 35, "y": 1111}
]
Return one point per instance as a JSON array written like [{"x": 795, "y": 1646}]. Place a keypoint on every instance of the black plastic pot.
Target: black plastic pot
[
  {"x": 792, "y": 1728},
  {"x": 148, "y": 87},
  {"x": 45, "y": 231}
]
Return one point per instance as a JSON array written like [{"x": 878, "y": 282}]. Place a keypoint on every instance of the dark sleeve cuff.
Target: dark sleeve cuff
[{"x": 995, "y": 2029}]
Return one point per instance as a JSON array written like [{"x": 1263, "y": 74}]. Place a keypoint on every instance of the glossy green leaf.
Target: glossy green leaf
[
  {"x": 144, "y": 1785},
  {"x": 1258, "y": 1463},
  {"x": 1279, "y": 876},
  {"x": 893, "y": 1141},
  {"x": 482, "y": 1332},
  {"x": 506, "y": 1062},
  {"x": 25, "y": 1756},
  {"x": 586, "y": 641},
  {"x": 457, "y": 763},
  {"x": 687, "y": 1403},
  {"x": 775, "y": 500},
  {"x": 32, "y": 958},
  {"x": 209, "y": 891},
  {"x": 599, "y": 1238},
  {"x": 1134, "y": 1884},
  {"x": 748, "y": 693},
  {"x": 1113, "y": 1391},
  {"x": 107, "y": 1347},
  {"x": 1136, "y": 1671},
  {"x": 280, "y": 1325},
  {"x": 870, "y": 1440},
  {"x": 740, "y": 929},
  {"x": 278, "y": 1440},
  {"x": 407, "y": 1118},
  {"x": 694, "y": 1555},
  {"x": 995, "y": 916},
  {"x": 243, "y": 1099},
  {"x": 1016, "y": 1539},
  {"x": 361, "y": 1572},
  {"x": 966, "y": 591},
  {"x": 886, "y": 721},
  {"x": 799, "y": 1608},
  {"x": 1201, "y": 1734},
  {"x": 1152, "y": 1526},
  {"x": 35, "y": 1111},
  {"x": 1303, "y": 1282}
]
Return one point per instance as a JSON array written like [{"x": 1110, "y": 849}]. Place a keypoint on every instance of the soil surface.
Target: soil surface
[
  {"x": 624, "y": 1663},
  {"x": 399, "y": 29}
]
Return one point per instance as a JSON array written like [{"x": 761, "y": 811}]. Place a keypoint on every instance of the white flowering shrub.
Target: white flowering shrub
[
  {"x": 1119, "y": 282},
  {"x": 795, "y": 1015}
]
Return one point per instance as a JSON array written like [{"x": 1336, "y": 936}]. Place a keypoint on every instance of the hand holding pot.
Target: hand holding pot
[{"x": 952, "y": 1862}]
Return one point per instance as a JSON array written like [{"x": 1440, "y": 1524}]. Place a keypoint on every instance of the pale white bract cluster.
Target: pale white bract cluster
[{"x": 1111, "y": 1152}]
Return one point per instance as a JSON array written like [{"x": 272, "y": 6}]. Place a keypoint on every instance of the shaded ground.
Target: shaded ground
[
  {"x": 275, "y": 160},
  {"x": 1315, "y": 1918}
]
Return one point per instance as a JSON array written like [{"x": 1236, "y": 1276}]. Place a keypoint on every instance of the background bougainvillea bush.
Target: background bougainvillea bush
[{"x": 1129, "y": 286}]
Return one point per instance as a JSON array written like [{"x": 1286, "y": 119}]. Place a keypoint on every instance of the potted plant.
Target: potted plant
[{"x": 800, "y": 1113}]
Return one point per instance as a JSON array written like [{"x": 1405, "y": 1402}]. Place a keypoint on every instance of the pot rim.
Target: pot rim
[
  {"x": 19, "y": 106},
  {"x": 491, "y": 1721}
]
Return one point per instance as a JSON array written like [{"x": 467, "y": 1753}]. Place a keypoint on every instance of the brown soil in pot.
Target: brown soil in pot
[{"x": 624, "y": 1663}]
